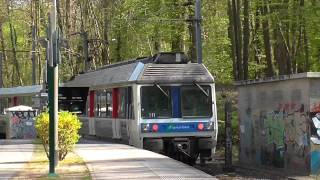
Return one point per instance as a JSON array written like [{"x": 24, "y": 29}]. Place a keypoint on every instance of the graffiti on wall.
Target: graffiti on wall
[
  {"x": 315, "y": 138},
  {"x": 273, "y": 133},
  {"x": 22, "y": 125},
  {"x": 315, "y": 129},
  {"x": 285, "y": 132}
]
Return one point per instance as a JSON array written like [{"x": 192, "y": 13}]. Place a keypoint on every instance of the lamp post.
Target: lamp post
[{"x": 53, "y": 89}]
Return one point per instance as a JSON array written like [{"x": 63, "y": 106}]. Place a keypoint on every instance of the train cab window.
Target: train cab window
[
  {"x": 196, "y": 101},
  {"x": 156, "y": 102}
]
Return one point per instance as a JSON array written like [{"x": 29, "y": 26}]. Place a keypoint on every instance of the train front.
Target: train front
[{"x": 177, "y": 110}]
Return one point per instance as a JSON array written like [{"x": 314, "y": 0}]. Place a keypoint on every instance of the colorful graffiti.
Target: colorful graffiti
[
  {"x": 274, "y": 127},
  {"x": 22, "y": 125},
  {"x": 285, "y": 136},
  {"x": 315, "y": 162},
  {"x": 315, "y": 138},
  {"x": 283, "y": 131},
  {"x": 315, "y": 129},
  {"x": 273, "y": 131}
]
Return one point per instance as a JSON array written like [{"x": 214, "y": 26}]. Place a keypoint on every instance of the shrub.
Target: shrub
[{"x": 68, "y": 128}]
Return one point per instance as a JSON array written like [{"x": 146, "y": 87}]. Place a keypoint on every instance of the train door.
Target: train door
[
  {"x": 133, "y": 125},
  {"x": 122, "y": 112},
  {"x": 115, "y": 114}
]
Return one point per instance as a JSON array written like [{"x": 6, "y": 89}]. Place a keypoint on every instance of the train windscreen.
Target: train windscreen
[
  {"x": 196, "y": 101},
  {"x": 155, "y": 102}
]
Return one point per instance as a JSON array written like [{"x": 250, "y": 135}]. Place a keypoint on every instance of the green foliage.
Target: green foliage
[
  {"x": 68, "y": 127},
  {"x": 136, "y": 28}
]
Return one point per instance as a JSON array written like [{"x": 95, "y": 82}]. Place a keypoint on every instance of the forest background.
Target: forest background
[{"x": 242, "y": 39}]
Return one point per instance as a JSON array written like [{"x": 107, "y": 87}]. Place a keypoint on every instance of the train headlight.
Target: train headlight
[
  {"x": 209, "y": 126},
  {"x": 155, "y": 127},
  {"x": 145, "y": 127},
  {"x": 200, "y": 126}
]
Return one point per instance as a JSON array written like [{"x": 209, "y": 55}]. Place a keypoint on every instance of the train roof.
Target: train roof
[
  {"x": 143, "y": 71},
  {"x": 20, "y": 91}
]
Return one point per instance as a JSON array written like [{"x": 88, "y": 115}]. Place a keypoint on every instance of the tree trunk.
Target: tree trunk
[
  {"x": 256, "y": 40},
  {"x": 156, "y": 40},
  {"x": 177, "y": 30},
  {"x": 305, "y": 38},
  {"x": 105, "y": 50},
  {"x": 59, "y": 16},
  {"x": 306, "y": 49},
  {"x": 286, "y": 37},
  {"x": 238, "y": 37},
  {"x": 33, "y": 33},
  {"x": 14, "y": 45},
  {"x": 38, "y": 47},
  {"x": 231, "y": 33},
  {"x": 192, "y": 51},
  {"x": 3, "y": 55},
  {"x": 118, "y": 48},
  {"x": 246, "y": 38},
  {"x": 267, "y": 39},
  {"x": 279, "y": 54}
]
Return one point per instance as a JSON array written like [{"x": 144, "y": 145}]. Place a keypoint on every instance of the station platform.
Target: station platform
[
  {"x": 14, "y": 155},
  {"x": 118, "y": 161}
]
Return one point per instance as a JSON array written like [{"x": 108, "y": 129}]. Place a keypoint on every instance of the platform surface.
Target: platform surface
[
  {"x": 117, "y": 161},
  {"x": 14, "y": 155}
]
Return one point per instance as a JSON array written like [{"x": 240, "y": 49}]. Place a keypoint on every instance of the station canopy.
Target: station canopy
[
  {"x": 19, "y": 108},
  {"x": 20, "y": 91}
]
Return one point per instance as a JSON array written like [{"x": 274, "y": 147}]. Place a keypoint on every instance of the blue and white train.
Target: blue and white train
[{"x": 162, "y": 103}]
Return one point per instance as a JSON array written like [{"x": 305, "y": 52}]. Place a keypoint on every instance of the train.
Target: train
[{"x": 163, "y": 103}]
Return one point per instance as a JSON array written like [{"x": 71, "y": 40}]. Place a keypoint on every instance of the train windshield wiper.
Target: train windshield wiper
[
  {"x": 204, "y": 92},
  {"x": 158, "y": 86}
]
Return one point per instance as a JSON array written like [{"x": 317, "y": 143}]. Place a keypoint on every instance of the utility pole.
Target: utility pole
[
  {"x": 198, "y": 30},
  {"x": 228, "y": 141},
  {"x": 33, "y": 53},
  {"x": 53, "y": 90}
]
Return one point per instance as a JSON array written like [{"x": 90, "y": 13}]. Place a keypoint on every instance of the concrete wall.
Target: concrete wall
[{"x": 276, "y": 124}]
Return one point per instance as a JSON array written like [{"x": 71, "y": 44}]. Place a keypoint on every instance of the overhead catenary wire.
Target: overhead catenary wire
[
  {"x": 22, "y": 51},
  {"x": 157, "y": 20}
]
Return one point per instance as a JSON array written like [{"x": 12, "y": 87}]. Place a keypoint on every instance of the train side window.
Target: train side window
[
  {"x": 97, "y": 101},
  {"x": 109, "y": 103},
  {"x": 125, "y": 108},
  {"x": 86, "y": 113},
  {"x": 103, "y": 105},
  {"x": 129, "y": 112}
]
